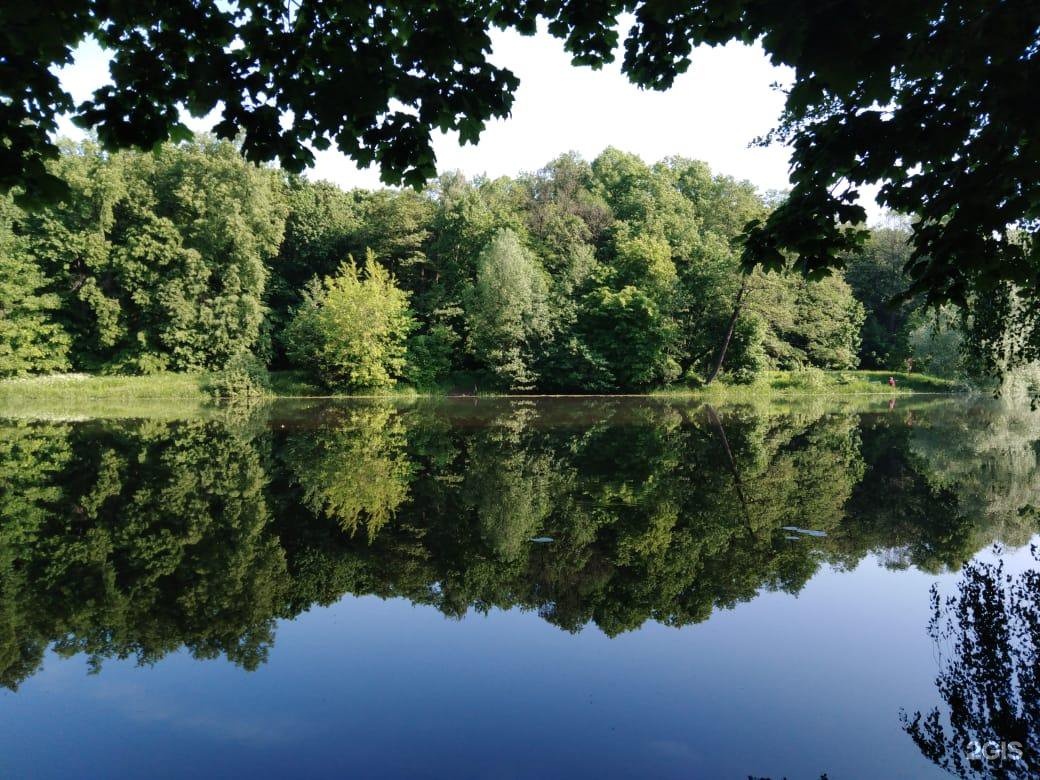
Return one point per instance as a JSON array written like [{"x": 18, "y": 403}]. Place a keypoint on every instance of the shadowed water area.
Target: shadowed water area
[{"x": 522, "y": 588}]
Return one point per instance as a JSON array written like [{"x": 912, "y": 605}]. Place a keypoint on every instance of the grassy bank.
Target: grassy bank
[
  {"x": 824, "y": 383},
  {"x": 164, "y": 386},
  {"x": 191, "y": 388},
  {"x": 81, "y": 396}
]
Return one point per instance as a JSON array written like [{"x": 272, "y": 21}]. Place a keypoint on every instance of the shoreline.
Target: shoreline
[{"x": 83, "y": 387}]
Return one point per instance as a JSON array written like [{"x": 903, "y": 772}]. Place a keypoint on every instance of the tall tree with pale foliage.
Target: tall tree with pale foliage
[{"x": 507, "y": 310}]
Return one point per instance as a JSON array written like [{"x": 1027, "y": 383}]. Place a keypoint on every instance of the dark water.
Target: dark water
[{"x": 504, "y": 588}]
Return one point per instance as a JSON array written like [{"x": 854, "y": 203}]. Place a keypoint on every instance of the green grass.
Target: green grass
[
  {"x": 77, "y": 396},
  {"x": 814, "y": 382},
  {"x": 851, "y": 382},
  {"x": 103, "y": 387}
]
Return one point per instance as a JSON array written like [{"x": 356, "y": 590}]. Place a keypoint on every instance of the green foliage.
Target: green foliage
[
  {"x": 631, "y": 333},
  {"x": 602, "y": 276},
  {"x": 807, "y": 323},
  {"x": 354, "y": 469},
  {"x": 351, "y": 330},
  {"x": 507, "y": 311},
  {"x": 243, "y": 380},
  {"x": 878, "y": 98},
  {"x": 937, "y": 343},
  {"x": 831, "y": 319},
  {"x": 31, "y": 341},
  {"x": 137, "y": 538},
  {"x": 135, "y": 541},
  {"x": 160, "y": 258},
  {"x": 430, "y": 356},
  {"x": 319, "y": 225},
  {"x": 877, "y": 277},
  {"x": 747, "y": 357}
]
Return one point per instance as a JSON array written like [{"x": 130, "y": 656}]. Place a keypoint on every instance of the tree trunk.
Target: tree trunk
[
  {"x": 714, "y": 418},
  {"x": 737, "y": 306}
]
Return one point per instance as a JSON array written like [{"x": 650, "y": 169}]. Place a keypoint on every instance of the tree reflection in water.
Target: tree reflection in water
[
  {"x": 135, "y": 538},
  {"x": 988, "y": 635}
]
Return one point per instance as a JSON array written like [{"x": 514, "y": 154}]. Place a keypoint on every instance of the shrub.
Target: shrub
[
  {"x": 244, "y": 378},
  {"x": 351, "y": 330}
]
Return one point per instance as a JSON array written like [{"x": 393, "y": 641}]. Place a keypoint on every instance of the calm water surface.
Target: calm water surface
[{"x": 522, "y": 588}]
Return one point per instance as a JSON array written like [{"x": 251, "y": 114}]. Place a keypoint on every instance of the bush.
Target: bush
[
  {"x": 244, "y": 378},
  {"x": 351, "y": 330}
]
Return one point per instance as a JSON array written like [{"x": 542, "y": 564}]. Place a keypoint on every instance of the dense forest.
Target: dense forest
[
  {"x": 588, "y": 276},
  {"x": 139, "y": 537}
]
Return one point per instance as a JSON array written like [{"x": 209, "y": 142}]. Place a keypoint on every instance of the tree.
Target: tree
[
  {"x": 507, "y": 310},
  {"x": 30, "y": 338},
  {"x": 877, "y": 277},
  {"x": 830, "y": 319},
  {"x": 807, "y": 323},
  {"x": 160, "y": 259},
  {"x": 936, "y": 343},
  {"x": 319, "y": 227},
  {"x": 351, "y": 330},
  {"x": 628, "y": 331}
]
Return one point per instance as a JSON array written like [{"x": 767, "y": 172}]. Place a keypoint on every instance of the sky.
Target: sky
[{"x": 712, "y": 113}]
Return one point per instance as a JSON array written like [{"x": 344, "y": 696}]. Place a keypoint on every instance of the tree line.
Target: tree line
[{"x": 590, "y": 276}]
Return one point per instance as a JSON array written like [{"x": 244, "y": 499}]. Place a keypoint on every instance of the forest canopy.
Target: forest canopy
[{"x": 594, "y": 276}]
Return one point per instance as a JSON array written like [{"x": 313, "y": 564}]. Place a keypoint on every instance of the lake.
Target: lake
[{"x": 500, "y": 588}]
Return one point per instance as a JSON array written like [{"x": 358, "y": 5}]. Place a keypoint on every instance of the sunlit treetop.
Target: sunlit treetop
[{"x": 932, "y": 99}]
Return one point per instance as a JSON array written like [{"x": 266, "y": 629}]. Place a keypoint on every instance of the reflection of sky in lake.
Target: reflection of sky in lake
[{"x": 783, "y": 685}]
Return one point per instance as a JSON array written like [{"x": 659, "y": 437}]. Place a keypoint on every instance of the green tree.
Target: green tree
[
  {"x": 921, "y": 100},
  {"x": 396, "y": 226},
  {"x": 320, "y": 225},
  {"x": 937, "y": 344},
  {"x": 160, "y": 258},
  {"x": 351, "y": 329},
  {"x": 831, "y": 321},
  {"x": 507, "y": 310},
  {"x": 807, "y": 323},
  {"x": 630, "y": 333},
  {"x": 878, "y": 277},
  {"x": 30, "y": 339}
]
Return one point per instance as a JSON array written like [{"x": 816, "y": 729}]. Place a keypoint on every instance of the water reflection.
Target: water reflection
[
  {"x": 987, "y": 636},
  {"x": 136, "y": 538}
]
